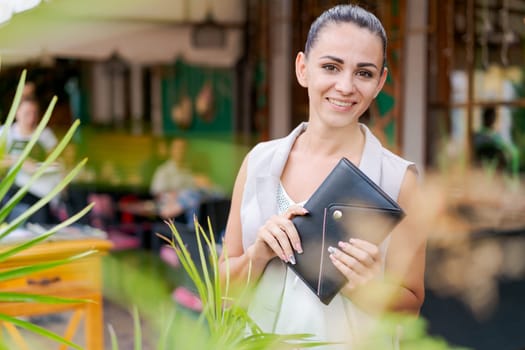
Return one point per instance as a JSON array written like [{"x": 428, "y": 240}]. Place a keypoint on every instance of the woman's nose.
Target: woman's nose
[{"x": 345, "y": 85}]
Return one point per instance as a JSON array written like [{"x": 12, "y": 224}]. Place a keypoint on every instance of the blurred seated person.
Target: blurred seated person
[
  {"x": 180, "y": 195},
  {"x": 18, "y": 136},
  {"x": 176, "y": 191},
  {"x": 491, "y": 147}
]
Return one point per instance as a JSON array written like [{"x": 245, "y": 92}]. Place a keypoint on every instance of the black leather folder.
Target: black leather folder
[{"x": 347, "y": 204}]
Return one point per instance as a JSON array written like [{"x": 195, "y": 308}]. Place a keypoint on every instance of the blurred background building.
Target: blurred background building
[{"x": 225, "y": 67}]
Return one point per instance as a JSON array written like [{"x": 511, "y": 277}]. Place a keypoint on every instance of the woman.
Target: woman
[
  {"x": 343, "y": 68},
  {"x": 26, "y": 121}
]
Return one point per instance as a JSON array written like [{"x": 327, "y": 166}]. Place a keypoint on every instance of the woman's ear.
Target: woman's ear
[
  {"x": 300, "y": 69},
  {"x": 382, "y": 81}
]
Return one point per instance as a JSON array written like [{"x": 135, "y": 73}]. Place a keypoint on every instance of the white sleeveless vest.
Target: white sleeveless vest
[{"x": 265, "y": 165}]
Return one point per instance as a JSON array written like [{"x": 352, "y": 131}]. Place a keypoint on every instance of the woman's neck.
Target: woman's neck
[
  {"x": 24, "y": 130},
  {"x": 332, "y": 143}
]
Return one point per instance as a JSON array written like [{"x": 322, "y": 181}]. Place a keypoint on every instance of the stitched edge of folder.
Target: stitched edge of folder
[{"x": 322, "y": 255}]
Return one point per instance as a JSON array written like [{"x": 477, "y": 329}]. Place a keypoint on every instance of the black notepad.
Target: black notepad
[{"x": 347, "y": 204}]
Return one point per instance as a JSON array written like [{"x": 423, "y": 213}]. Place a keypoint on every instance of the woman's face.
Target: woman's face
[
  {"x": 27, "y": 115},
  {"x": 343, "y": 73}
]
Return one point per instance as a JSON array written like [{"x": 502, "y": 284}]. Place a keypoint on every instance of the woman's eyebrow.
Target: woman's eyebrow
[
  {"x": 333, "y": 58},
  {"x": 366, "y": 64},
  {"x": 341, "y": 61}
]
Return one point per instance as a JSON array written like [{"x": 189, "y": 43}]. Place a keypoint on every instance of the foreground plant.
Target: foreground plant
[
  {"x": 224, "y": 323},
  {"x": 7, "y": 228}
]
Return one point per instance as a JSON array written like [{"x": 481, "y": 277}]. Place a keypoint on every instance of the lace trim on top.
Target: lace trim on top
[
  {"x": 283, "y": 200},
  {"x": 283, "y": 203}
]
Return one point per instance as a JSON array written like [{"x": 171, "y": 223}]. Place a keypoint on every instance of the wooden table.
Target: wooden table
[{"x": 78, "y": 279}]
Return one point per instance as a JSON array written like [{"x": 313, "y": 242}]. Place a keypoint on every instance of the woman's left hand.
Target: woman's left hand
[{"x": 358, "y": 260}]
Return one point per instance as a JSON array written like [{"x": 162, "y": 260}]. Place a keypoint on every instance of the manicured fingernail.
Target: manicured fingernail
[
  {"x": 331, "y": 250},
  {"x": 298, "y": 249},
  {"x": 305, "y": 211},
  {"x": 291, "y": 259}
]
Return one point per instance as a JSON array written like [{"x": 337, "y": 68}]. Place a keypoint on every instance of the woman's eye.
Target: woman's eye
[
  {"x": 330, "y": 67},
  {"x": 365, "y": 74}
]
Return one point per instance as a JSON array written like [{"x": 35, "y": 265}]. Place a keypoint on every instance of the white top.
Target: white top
[
  {"x": 47, "y": 138},
  {"x": 46, "y": 141},
  {"x": 282, "y": 303},
  {"x": 170, "y": 177},
  {"x": 310, "y": 316}
]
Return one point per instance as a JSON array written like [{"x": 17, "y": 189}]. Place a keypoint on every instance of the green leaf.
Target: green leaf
[
  {"x": 53, "y": 193},
  {"x": 16, "y": 102},
  {"x": 137, "y": 329},
  {"x": 26, "y": 270},
  {"x": 27, "y": 244},
  {"x": 12, "y": 297},
  {"x": 10, "y": 178},
  {"x": 37, "y": 330},
  {"x": 6, "y": 182},
  {"x": 7, "y": 125},
  {"x": 113, "y": 336},
  {"x": 163, "y": 339}
]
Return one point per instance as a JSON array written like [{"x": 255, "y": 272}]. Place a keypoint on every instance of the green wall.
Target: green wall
[
  {"x": 124, "y": 160},
  {"x": 184, "y": 81}
]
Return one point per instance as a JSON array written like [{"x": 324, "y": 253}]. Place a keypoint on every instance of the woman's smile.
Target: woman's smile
[{"x": 341, "y": 103}]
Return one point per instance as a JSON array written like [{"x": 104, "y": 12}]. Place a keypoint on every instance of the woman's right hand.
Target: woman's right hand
[{"x": 279, "y": 237}]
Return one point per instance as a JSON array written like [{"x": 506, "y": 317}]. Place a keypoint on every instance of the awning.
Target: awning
[{"x": 139, "y": 31}]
